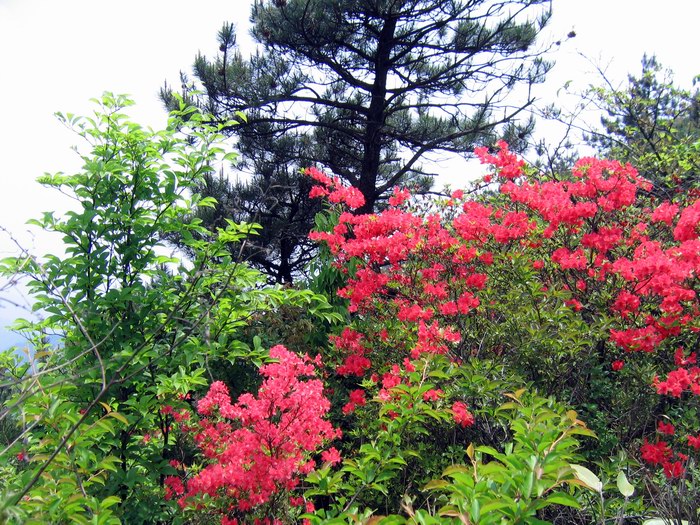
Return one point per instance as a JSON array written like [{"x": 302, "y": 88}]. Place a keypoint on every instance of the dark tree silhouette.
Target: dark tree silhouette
[{"x": 370, "y": 90}]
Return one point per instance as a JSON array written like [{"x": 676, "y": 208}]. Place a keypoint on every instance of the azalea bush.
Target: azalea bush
[
  {"x": 521, "y": 351},
  {"x": 593, "y": 264},
  {"x": 259, "y": 447},
  {"x": 127, "y": 332},
  {"x": 585, "y": 286},
  {"x": 582, "y": 288}
]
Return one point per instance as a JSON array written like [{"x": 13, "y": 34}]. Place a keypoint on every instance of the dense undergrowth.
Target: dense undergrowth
[{"x": 520, "y": 351}]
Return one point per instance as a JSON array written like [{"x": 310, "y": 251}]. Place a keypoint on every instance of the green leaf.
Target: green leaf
[
  {"x": 79, "y": 518},
  {"x": 562, "y": 498},
  {"x": 624, "y": 486},
  {"x": 454, "y": 469},
  {"x": 588, "y": 478},
  {"x": 109, "y": 502},
  {"x": 494, "y": 505},
  {"x": 119, "y": 417},
  {"x": 583, "y": 432},
  {"x": 436, "y": 484}
]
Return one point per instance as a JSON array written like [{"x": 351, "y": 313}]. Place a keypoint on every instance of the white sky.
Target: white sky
[{"x": 56, "y": 55}]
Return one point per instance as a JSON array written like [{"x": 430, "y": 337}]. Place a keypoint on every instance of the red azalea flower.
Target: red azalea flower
[
  {"x": 694, "y": 441},
  {"x": 331, "y": 456},
  {"x": 432, "y": 395},
  {"x": 666, "y": 428},
  {"x": 461, "y": 415},
  {"x": 673, "y": 470}
]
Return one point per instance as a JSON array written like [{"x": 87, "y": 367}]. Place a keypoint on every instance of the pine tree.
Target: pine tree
[
  {"x": 372, "y": 91},
  {"x": 654, "y": 125}
]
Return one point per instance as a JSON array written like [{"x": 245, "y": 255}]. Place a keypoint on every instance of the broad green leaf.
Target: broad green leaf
[
  {"x": 436, "y": 484},
  {"x": 587, "y": 477},
  {"x": 119, "y": 417},
  {"x": 562, "y": 498},
  {"x": 624, "y": 486}
]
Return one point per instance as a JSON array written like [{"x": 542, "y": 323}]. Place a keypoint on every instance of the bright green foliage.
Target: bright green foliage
[
  {"x": 532, "y": 472},
  {"x": 513, "y": 482},
  {"x": 136, "y": 330}
]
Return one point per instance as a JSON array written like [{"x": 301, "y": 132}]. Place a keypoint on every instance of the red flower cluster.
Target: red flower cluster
[
  {"x": 656, "y": 453},
  {"x": 508, "y": 164},
  {"x": 461, "y": 415},
  {"x": 679, "y": 381},
  {"x": 665, "y": 428},
  {"x": 357, "y": 398},
  {"x": 351, "y": 343},
  {"x": 333, "y": 189},
  {"x": 587, "y": 238},
  {"x": 660, "y": 453},
  {"x": 261, "y": 444}
]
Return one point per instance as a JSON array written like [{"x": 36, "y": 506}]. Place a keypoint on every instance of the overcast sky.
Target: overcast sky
[{"x": 56, "y": 55}]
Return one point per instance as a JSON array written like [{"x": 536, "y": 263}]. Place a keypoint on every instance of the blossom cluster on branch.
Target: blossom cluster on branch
[
  {"x": 622, "y": 261},
  {"x": 262, "y": 444}
]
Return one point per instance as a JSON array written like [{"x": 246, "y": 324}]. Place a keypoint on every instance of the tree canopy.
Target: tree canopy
[
  {"x": 653, "y": 124},
  {"x": 369, "y": 90}
]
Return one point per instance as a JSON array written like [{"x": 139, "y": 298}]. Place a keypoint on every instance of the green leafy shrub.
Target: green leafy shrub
[{"x": 138, "y": 331}]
